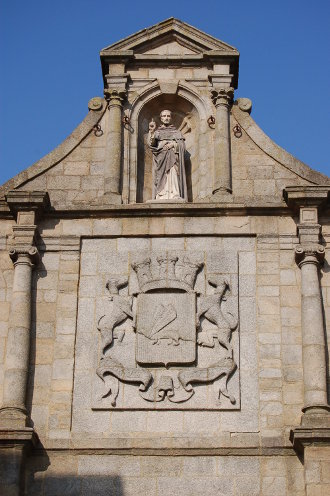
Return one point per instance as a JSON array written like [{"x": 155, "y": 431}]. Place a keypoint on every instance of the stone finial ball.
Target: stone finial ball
[
  {"x": 95, "y": 103},
  {"x": 245, "y": 104}
]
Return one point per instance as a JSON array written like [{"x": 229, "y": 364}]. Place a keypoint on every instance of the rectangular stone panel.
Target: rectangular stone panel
[{"x": 164, "y": 329}]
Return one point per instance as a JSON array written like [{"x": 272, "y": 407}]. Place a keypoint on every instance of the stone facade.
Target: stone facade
[{"x": 159, "y": 348}]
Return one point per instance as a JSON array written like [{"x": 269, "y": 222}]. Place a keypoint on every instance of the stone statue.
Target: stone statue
[{"x": 168, "y": 168}]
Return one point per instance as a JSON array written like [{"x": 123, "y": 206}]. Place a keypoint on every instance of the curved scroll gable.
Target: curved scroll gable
[
  {"x": 241, "y": 112},
  {"x": 97, "y": 108}
]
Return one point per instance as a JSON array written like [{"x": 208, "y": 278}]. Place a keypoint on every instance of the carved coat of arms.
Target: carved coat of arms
[{"x": 163, "y": 338}]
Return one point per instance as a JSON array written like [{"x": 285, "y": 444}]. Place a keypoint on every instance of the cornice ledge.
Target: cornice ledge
[
  {"x": 167, "y": 444},
  {"x": 141, "y": 209},
  {"x": 302, "y": 437},
  {"x": 116, "y": 53},
  {"x": 302, "y": 196},
  {"x": 82, "y": 210},
  {"x": 20, "y": 200},
  {"x": 59, "y": 153},
  {"x": 273, "y": 150},
  {"x": 11, "y": 436}
]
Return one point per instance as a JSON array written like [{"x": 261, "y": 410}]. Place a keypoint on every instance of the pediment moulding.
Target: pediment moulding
[
  {"x": 170, "y": 28},
  {"x": 170, "y": 42}
]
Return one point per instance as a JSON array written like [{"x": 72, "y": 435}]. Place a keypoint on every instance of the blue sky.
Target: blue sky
[{"x": 51, "y": 68}]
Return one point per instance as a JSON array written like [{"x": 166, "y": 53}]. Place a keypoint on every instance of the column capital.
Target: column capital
[
  {"x": 115, "y": 96},
  {"x": 309, "y": 253},
  {"x": 222, "y": 96},
  {"x": 24, "y": 254}
]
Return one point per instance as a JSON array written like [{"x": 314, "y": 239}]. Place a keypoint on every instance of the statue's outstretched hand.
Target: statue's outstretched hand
[{"x": 152, "y": 126}]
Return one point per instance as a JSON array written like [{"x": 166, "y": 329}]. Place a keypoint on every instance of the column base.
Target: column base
[
  {"x": 13, "y": 418},
  {"x": 316, "y": 416},
  {"x": 314, "y": 428},
  {"x": 221, "y": 195},
  {"x": 302, "y": 437},
  {"x": 14, "y": 447}
]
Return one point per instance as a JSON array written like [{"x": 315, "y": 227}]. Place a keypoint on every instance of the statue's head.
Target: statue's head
[{"x": 166, "y": 117}]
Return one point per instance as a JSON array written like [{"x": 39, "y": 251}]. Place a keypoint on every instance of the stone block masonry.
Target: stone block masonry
[{"x": 174, "y": 347}]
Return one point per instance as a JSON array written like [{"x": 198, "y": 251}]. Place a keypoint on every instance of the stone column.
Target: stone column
[
  {"x": 314, "y": 430},
  {"x": 309, "y": 259},
  {"x": 222, "y": 99},
  {"x": 16, "y": 437},
  {"x": 25, "y": 206},
  {"x": 307, "y": 202},
  {"x": 114, "y": 145},
  {"x": 18, "y": 339}
]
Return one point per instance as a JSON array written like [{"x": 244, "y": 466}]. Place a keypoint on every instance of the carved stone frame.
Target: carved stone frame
[{"x": 204, "y": 109}]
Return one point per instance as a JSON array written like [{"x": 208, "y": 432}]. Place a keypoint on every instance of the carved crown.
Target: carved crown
[{"x": 166, "y": 272}]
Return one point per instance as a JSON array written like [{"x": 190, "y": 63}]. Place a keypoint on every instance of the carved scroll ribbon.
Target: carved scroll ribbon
[
  {"x": 221, "y": 370},
  {"x": 110, "y": 366}
]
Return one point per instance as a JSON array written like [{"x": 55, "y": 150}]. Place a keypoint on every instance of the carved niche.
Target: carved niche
[
  {"x": 185, "y": 118},
  {"x": 163, "y": 344}
]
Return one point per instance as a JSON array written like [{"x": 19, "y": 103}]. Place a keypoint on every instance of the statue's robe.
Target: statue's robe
[{"x": 168, "y": 162}]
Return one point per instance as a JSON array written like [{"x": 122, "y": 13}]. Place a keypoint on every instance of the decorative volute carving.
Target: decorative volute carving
[
  {"x": 30, "y": 253},
  {"x": 222, "y": 96},
  {"x": 309, "y": 253},
  {"x": 115, "y": 96}
]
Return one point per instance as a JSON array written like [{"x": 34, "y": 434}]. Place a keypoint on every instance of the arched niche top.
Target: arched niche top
[
  {"x": 179, "y": 107},
  {"x": 186, "y": 90}
]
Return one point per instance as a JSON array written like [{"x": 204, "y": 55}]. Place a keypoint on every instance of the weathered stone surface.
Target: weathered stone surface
[
  {"x": 168, "y": 347},
  {"x": 126, "y": 328}
]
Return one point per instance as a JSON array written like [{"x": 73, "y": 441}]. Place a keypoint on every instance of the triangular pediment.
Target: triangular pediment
[
  {"x": 169, "y": 46},
  {"x": 171, "y": 37}
]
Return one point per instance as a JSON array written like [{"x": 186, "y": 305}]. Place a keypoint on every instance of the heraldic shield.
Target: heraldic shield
[{"x": 166, "y": 328}]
